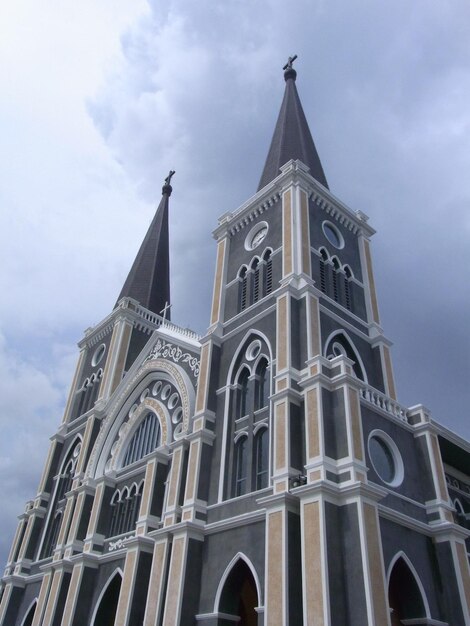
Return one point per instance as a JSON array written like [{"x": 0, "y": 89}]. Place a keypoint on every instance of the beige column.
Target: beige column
[
  {"x": 47, "y": 466},
  {"x": 314, "y": 440},
  {"x": 5, "y": 602},
  {"x": 219, "y": 282},
  {"x": 77, "y": 514},
  {"x": 155, "y": 599},
  {"x": 57, "y": 580},
  {"x": 287, "y": 233},
  {"x": 94, "y": 517},
  {"x": 373, "y": 566},
  {"x": 389, "y": 378},
  {"x": 73, "y": 388},
  {"x": 174, "y": 594},
  {"x": 174, "y": 484},
  {"x": 72, "y": 594},
  {"x": 369, "y": 282},
  {"x": 42, "y": 599},
  {"x": 127, "y": 588},
  {"x": 276, "y": 567},
  {"x": 204, "y": 376},
  {"x": 65, "y": 523},
  {"x": 305, "y": 258},
  {"x": 314, "y": 347},
  {"x": 15, "y": 546},
  {"x": 314, "y": 559},
  {"x": 85, "y": 447},
  {"x": 114, "y": 367},
  {"x": 27, "y": 537},
  {"x": 462, "y": 570}
]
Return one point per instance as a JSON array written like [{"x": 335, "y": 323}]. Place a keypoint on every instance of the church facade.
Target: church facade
[{"x": 263, "y": 474}]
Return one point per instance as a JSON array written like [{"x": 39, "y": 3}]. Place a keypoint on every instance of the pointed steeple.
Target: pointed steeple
[
  {"x": 148, "y": 281},
  {"x": 292, "y": 138}
]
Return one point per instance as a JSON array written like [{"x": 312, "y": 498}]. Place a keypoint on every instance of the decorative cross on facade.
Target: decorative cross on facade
[
  {"x": 290, "y": 61},
  {"x": 167, "y": 304},
  {"x": 168, "y": 179}
]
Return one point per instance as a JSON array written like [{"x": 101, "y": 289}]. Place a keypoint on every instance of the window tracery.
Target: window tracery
[
  {"x": 125, "y": 506},
  {"x": 256, "y": 282}
]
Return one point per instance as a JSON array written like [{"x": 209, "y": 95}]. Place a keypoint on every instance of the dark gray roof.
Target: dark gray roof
[
  {"x": 148, "y": 281},
  {"x": 292, "y": 138}
]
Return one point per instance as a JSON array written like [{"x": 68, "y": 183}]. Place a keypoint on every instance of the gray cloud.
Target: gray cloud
[{"x": 197, "y": 87}]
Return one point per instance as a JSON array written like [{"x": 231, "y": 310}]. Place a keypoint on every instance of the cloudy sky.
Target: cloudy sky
[{"x": 100, "y": 99}]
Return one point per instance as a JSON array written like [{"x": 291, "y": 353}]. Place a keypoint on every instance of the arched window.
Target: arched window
[
  {"x": 243, "y": 383},
  {"x": 242, "y": 289},
  {"x": 105, "y": 612},
  {"x": 144, "y": 441},
  {"x": 261, "y": 458},
  {"x": 338, "y": 345},
  {"x": 347, "y": 290},
  {"x": 28, "y": 620},
  {"x": 323, "y": 260},
  {"x": 52, "y": 536},
  {"x": 336, "y": 268},
  {"x": 255, "y": 281},
  {"x": 268, "y": 273},
  {"x": 262, "y": 385},
  {"x": 240, "y": 466},
  {"x": 239, "y": 596},
  {"x": 404, "y": 595},
  {"x": 125, "y": 507},
  {"x": 89, "y": 392}
]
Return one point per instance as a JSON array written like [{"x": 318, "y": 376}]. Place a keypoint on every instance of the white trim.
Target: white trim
[
  {"x": 117, "y": 571},
  {"x": 395, "y": 559},
  {"x": 239, "y": 556},
  {"x": 34, "y": 602},
  {"x": 343, "y": 332},
  {"x": 397, "y": 458}
]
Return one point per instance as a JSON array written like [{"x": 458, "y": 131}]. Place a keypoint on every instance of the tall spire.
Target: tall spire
[
  {"x": 292, "y": 138},
  {"x": 148, "y": 281}
]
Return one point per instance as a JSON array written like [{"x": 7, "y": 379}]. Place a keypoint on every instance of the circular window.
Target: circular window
[
  {"x": 133, "y": 409},
  {"x": 144, "y": 394},
  {"x": 98, "y": 354},
  {"x": 386, "y": 458},
  {"x": 333, "y": 235},
  {"x": 166, "y": 392},
  {"x": 156, "y": 388},
  {"x": 177, "y": 415},
  {"x": 256, "y": 235},
  {"x": 173, "y": 401},
  {"x": 253, "y": 350}
]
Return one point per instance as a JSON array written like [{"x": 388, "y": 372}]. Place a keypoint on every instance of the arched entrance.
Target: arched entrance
[
  {"x": 28, "y": 620},
  {"x": 107, "y": 604},
  {"x": 239, "y": 596},
  {"x": 404, "y": 595}
]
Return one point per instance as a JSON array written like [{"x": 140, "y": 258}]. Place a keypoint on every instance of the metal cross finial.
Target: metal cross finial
[
  {"x": 169, "y": 177},
  {"x": 167, "y": 304},
  {"x": 290, "y": 61}
]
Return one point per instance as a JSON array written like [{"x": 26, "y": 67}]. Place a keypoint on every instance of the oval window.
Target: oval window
[
  {"x": 98, "y": 355},
  {"x": 333, "y": 235},
  {"x": 386, "y": 458}
]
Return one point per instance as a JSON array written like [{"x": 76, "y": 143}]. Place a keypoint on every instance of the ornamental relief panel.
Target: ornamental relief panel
[{"x": 168, "y": 393}]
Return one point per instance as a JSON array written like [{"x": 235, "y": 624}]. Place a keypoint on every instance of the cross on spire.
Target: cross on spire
[
  {"x": 290, "y": 61},
  {"x": 166, "y": 308}
]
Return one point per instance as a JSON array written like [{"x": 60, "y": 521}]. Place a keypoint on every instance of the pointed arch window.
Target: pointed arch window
[
  {"x": 243, "y": 284},
  {"x": 340, "y": 345},
  {"x": 125, "y": 508},
  {"x": 323, "y": 260},
  {"x": 255, "y": 281},
  {"x": 261, "y": 458},
  {"x": 144, "y": 441},
  {"x": 404, "y": 595},
  {"x": 347, "y": 290},
  {"x": 52, "y": 536},
  {"x": 262, "y": 385},
  {"x": 241, "y": 466},
  {"x": 243, "y": 383},
  {"x": 336, "y": 268},
  {"x": 268, "y": 273}
]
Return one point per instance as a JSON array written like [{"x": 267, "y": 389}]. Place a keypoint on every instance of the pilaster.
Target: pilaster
[
  {"x": 73, "y": 387},
  {"x": 116, "y": 360},
  {"x": 42, "y": 599},
  {"x": 155, "y": 600},
  {"x": 126, "y": 602}
]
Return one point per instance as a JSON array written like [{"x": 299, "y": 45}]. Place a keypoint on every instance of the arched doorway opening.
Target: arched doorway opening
[
  {"x": 239, "y": 595},
  {"x": 404, "y": 594},
  {"x": 105, "y": 614},
  {"x": 28, "y": 620}
]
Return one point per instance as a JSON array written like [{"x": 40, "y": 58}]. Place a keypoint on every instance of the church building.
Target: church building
[{"x": 264, "y": 473}]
